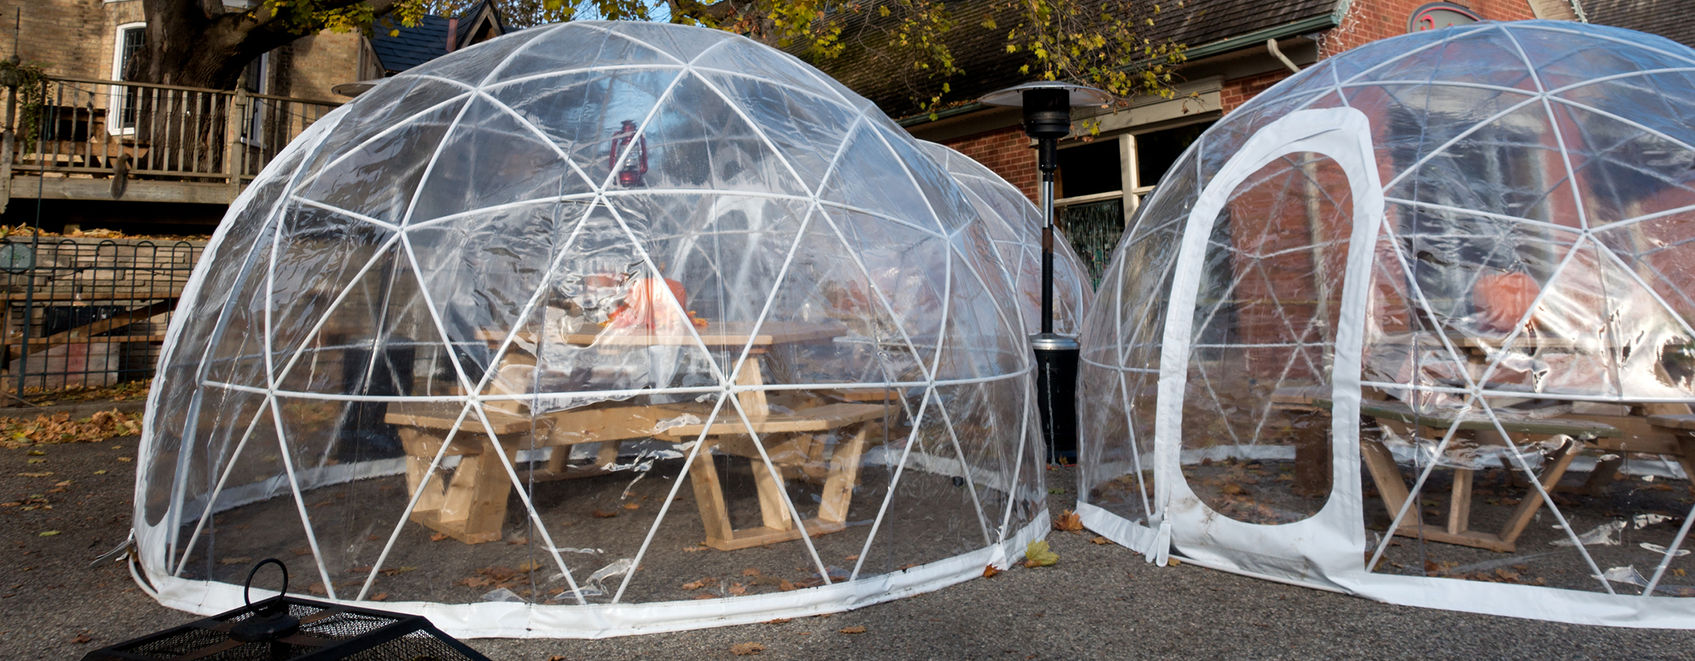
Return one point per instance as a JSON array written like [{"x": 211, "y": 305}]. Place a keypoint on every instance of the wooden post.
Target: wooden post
[
  {"x": 234, "y": 116},
  {"x": 8, "y": 144}
]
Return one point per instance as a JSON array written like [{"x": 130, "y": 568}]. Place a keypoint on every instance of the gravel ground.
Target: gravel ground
[{"x": 1099, "y": 602}]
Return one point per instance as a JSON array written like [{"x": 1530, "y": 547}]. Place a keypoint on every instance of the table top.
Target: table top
[
  {"x": 730, "y": 334},
  {"x": 1472, "y": 341}
]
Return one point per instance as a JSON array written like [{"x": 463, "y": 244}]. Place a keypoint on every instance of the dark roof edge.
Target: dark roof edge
[{"x": 1255, "y": 38}]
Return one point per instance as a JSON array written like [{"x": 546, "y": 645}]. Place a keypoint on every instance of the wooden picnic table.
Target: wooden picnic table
[
  {"x": 472, "y": 506},
  {"x": 1665, "y": 434}
]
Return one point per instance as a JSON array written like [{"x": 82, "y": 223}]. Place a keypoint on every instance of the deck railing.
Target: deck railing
[
  {"x": 86, "y": 312},
  {"x": 78, "y": 128}
]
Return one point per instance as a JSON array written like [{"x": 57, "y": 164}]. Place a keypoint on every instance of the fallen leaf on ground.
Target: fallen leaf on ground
[
  {"x": 786, "y": 586},
  {"x": 235, "y": 561},
  {"x": 519, "y": 541},
  {"x": 82, "y": 638},
  {"x": 438, "y": 537},
  {"x": 632, "y": 506},
  {"x": 780, "y": 620},
  {"x": 100, "y": 472},
  {"x": 381, "y": 596},
  {"x": 1068, "y": 521},
  {"x": 696, "y": 585},
  {"x": 693, "y": 549},
  {"x": 746, "y": 649},
  {"x": 396, "y": 571},
  {"x": 123, "y": 458},
  {"x": 858, "y": 629},
  {"x": 1101, "y": 540},
  {"x": 47, "y": 533},
  {"x": 43, "y": 474},
  {"x": 60, "y": 428},
  {"x": 598, "y": 514},
  {"x": 750, "y": 571},
  {"x": 1038, "y": 555},
  {"x": 852, "y": 558},
  {"x": 318, "y": 588},
  {"x": 989, "y": 571},
  {"x": 738, "y": 589}
]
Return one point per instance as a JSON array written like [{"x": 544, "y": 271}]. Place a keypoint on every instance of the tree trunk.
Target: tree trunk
[{"x": 199, "y": 43}]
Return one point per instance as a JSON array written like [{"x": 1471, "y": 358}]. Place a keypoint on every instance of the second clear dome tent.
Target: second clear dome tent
[
  {"x": 560, "y": 332},
  {"x": 1015, "y": 227},
  {"x": 1371, "y": 318}
]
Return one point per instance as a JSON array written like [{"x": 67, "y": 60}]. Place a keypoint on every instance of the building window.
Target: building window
[
  {"x": 130, "y": 38},
  {"x": 256, "y": 81},
  {"x": 1438, "y": 15},
  {"x": 1091, "y": 205}
]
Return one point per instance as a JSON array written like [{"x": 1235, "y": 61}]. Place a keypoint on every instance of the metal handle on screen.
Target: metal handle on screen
[{"x": 248, "y": 584}]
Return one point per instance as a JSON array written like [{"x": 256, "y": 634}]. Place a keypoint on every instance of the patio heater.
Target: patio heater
[{"x": 1047, "y": 118}]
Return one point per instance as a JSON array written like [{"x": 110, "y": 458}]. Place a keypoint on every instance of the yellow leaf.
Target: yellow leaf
[
  {"x": 394, "y": 33},
  {"x": 1038, "y": 555},
  {"x": 858, "y": 629},
  {"x": 47, "y": 533}
]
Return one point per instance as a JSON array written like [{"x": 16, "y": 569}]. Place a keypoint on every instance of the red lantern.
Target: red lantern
[{"x": 633, "y": 149}]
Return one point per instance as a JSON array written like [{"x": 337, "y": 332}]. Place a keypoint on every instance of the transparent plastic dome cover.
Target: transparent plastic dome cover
[
  {"x": 1371, "y": 319},
  {"x": 1015, "y": 227},
  {"x": 595, "y": 329}
]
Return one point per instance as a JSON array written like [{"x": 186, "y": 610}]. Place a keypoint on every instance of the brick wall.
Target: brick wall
[
  {"x": 1370, "y": 20},
  {"x": 66, "y": 37},
  {"x": 323, "y": 61},
  {"x": 1237, "y": 91},
  {"x": 76, "y": 38},
  {"x": 1007, "y": 152}
]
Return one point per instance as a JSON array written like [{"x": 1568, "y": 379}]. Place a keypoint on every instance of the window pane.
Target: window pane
[
  {"x": 1088, "y": 169},
  {"x": 1093, "y": 230},
  {"x": 1156, "y": 151},
  {"x": 133, "y": 39}
]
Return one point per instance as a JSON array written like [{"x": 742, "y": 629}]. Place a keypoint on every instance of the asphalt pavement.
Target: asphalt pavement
[{"x": 1099, "y": 601}]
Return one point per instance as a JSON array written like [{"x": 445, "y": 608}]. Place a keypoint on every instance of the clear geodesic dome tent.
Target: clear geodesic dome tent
[
  {"x": 1015, "y": 227},
  {"x": 1416, "y": 324},
  {"x": 566, "y": 332}
]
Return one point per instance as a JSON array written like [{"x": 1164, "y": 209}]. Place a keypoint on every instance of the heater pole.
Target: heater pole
[{"x": 1047, "y": 118}]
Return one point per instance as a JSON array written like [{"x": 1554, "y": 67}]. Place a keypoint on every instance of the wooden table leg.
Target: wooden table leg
[
  {"x": 844, "y": 474},
  {"x": 1459, "y": 505},
  {"x": 474, "y": 508},
  {"x": 1381, "y": 464},
  {"x": 773, "y": 507},
  {"x": 420, "y": 450},
  {"x": 1551, "y": 475},
  {"x": 753, "y": 401},
  {"x": 709, "y": 495}
]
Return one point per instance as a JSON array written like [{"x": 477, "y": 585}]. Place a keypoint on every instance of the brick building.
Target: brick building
[
  {"x": 1235, "y": 48},
  {"x": 85, "y": 46}
]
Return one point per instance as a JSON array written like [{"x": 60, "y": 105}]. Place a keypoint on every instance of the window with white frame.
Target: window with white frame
[
  {"x": 1102, "y": 181},
  {"x": 256, "y": 81},
  {"x": 128, "y": 41}
]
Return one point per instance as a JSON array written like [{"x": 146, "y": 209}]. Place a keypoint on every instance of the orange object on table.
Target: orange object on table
[
  {"x": 1502, "y": 300},
  {"x": 644, "y": 307}
]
